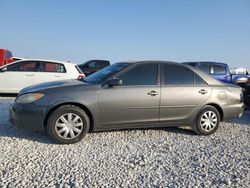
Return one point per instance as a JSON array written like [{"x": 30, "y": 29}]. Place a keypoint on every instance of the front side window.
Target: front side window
[
  {"x": 219, "y": 69},
  {"x": 145, "y": 74},
  {"x": 205, "y": 68},
  {"x": 178, "y": 75},
  {"x": 27, "y": 66},
  {"x": 52, "y": 67}
]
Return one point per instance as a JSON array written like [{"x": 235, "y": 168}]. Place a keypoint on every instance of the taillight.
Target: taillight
[{"x": 81, "y": 77}]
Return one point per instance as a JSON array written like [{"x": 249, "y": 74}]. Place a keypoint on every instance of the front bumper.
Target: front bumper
[{"x": 27, "y": 116}]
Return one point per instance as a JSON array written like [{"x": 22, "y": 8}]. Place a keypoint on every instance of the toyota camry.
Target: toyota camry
[{"x": 127, "y": 95}]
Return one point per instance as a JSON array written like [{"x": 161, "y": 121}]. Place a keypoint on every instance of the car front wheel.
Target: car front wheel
[
  {"x": 207, "y": 121},
  {"x": 68, "y": 124}
]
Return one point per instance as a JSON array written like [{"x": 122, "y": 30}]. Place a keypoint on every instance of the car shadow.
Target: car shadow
[
  {"x": 9, "y": 131},
  {"x": 179, "y": 130},
  {"x": 245, "y": 119}
]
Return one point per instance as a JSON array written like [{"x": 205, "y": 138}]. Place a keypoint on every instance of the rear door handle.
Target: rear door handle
[
  {"x": 57, "y": 76},
  {"x": 29, "y": 74},
  {"x": 203, "y": 91},
  {"x": 153, "y": 93}
]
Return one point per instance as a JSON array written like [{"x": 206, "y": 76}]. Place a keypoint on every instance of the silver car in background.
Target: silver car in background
[{"x": 128, "y": 95}]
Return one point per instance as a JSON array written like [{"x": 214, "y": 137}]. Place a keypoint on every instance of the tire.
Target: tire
[
  {"x": 207, "y": 121},
  {"x": 68, "y": 124}
]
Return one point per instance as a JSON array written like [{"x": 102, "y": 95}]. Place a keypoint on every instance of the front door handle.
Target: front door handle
[
  {"x": 203, "y": 91},
  {"x": 29, "y": 74},
  {"x": 153, "y": 93}
]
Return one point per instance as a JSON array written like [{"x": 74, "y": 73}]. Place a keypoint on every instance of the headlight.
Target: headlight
[{"x": 29, "y": 98}]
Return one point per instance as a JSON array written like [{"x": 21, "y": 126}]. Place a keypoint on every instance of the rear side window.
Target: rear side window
[
  {"x": 79, "y": 70},
  {"x": 27, "y": 66},
  {"x": 219, "y": 69},
  {"x": 145, "y": 74},
  {"x": 52, "y": 67},
  {"x": 205, "y": 68},
  {"x": 177, "y": 75}
]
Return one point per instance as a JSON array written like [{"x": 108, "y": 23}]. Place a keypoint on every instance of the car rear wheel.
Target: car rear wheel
[
  {"x": 68, "y": 124},
  {"x": 207, "y": 121}
]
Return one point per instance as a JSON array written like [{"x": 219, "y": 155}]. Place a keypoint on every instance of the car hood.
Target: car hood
[{"x": 49, "y": 85}]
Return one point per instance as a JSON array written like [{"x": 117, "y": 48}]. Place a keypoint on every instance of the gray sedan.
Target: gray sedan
[{"x": 128, "y": 95}]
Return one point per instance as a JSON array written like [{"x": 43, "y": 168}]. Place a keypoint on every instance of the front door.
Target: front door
[{"x": 135, "y": 102}]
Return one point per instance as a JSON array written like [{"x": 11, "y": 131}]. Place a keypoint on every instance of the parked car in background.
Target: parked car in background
[
  {"x": 6, "y": 57},
  {"x": 128, "y": 95},
  {"x": 221, "y": 71},
  {"x": 93, "y": 66},
  {"x": 20, "y": 74}
]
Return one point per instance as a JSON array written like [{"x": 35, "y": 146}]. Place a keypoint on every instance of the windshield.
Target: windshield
[{"x": 105, "y": 73}]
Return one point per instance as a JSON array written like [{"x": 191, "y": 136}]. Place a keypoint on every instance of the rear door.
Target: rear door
[
  {"x": 182, "y": 93},
  {"x": 17, "y": 76},
  {"x": 50, "y": 71}
]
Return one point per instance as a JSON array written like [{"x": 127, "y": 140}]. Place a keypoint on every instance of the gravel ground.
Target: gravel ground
[{"x": 170, "y": 157}]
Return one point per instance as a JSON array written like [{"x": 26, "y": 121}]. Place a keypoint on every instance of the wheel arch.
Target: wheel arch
[
  {"x": 83, "y": 107},
  {"x": 218, "y": 107}
]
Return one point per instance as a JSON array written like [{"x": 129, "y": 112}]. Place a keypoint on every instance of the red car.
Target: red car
[{"x": 6, "y": 57}]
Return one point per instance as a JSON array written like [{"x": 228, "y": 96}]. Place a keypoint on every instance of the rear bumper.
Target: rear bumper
[
  {"x": 27, "y": 116},
  {"x": 233, "y": 111}
]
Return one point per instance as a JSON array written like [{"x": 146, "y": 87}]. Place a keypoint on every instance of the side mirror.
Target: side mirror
[{"x": 114, "y": 82}]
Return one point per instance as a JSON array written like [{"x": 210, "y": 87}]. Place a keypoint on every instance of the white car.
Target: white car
[{"x": 23, "y": 73}]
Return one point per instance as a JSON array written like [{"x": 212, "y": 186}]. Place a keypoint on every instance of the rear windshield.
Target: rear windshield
[{"x": 79, "y": 70}]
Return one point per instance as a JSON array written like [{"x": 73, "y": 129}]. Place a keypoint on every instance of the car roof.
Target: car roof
[{"x": 150, "y": 61}]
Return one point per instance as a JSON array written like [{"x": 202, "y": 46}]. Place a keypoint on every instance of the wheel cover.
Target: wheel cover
[
  {"x": 208, "y": 121},
  {"x": 69, "y": 126}
]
